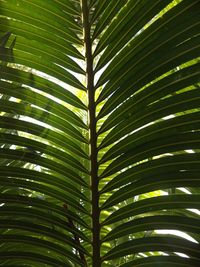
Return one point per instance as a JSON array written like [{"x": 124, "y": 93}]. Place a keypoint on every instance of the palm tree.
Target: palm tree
[{"x": 99, "y": 133}]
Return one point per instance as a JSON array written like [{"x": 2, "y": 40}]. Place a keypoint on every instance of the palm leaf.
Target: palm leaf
[{"x": 99, "y": 136}]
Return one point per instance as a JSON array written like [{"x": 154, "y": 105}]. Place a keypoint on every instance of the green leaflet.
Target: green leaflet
[
  {"x": 137, "y": 11},
  {"x": 153, "y": 204},
  {"x": 152, "y": 43},
  {"x": 42, "y": 243},
  {"x": 158, "y": 243},
  {"x": 154, "y": 223},
  {"x": 158, "y": 90},
  {"x": 157, "y": 261},
  {"x": 22, "y": 58},
  {"x": 157, "y": 166},
  {"x": 41, "y": 204},
  {"x": 47, "y": 149},
  {"x": 41, "y": 216},
  {"x": 30, "y": 256},
  {"x": 39, "y": 83},
  {"x": 178, "y": 126}
]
